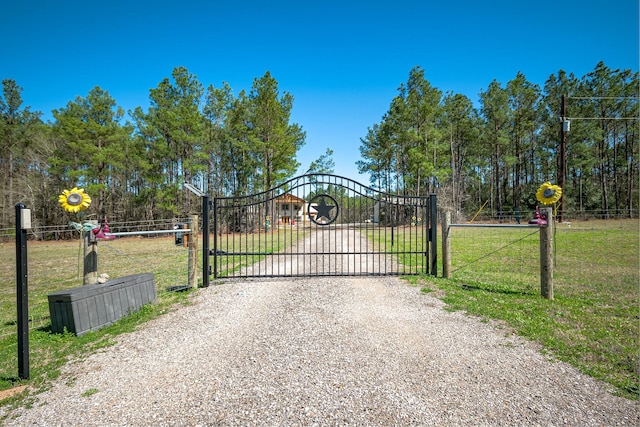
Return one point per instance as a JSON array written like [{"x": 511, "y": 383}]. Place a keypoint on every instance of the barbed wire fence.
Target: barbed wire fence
[{"x": 506, "y": 256}]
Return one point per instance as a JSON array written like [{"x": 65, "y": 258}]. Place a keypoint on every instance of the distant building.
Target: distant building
[{"x": 291, "y": 209}]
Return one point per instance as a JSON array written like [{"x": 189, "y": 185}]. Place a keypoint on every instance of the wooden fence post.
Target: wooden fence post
[
  {"x": 193, "y": 251},
  {"x": 546, "y": 255},
  {"x": 446, "y": 246},
  {"x": 90, "y": 256}
]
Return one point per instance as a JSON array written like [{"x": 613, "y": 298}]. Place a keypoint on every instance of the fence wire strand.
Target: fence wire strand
[{"x": 488, "y": 254}]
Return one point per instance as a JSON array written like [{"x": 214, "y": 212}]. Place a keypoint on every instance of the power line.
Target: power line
[
  {"x": 602, "y": 97},
  {"x": 603, "y": 118}
]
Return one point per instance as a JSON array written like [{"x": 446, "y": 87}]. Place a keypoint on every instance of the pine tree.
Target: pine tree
[
  {"x": 274, "y": 140},
  {"x": 17, "y": 128},
  {"x": 92, "y": 140}
]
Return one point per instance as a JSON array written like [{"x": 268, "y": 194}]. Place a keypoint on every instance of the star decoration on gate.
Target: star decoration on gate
[{"x": 323, "y": 214}]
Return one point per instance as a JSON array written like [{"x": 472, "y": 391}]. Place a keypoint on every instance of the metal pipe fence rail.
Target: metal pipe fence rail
[
  {"x": 65, "y": 232},
  {"x": 488, "y": 216}
]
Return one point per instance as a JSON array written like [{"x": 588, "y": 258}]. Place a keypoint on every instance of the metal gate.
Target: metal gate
[{"x": 323, "y": 225}]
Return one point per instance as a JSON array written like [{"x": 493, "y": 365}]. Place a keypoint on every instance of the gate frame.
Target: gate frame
[{"x": 430, "y": 245}]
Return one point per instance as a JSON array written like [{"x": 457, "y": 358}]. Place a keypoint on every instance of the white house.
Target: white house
[{"x": 290, "y": 209}]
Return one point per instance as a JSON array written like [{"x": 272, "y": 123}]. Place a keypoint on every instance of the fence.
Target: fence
[
  {"x": 594, "y": 255},
  {"x": 488, "y": 215},
  {"x": 64, "y": 232},
  {"x": 506, "y": 254},
  {"x": 58, "y": 265}
]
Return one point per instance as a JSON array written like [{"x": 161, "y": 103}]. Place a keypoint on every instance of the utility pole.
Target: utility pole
[{"x": 562, "y": 166}]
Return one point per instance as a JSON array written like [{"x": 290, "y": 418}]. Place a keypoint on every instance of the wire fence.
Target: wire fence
[
  {"x": 596, "y": 254},
  {"x": 55, "y": 265},
  {"x": 589, "y": 256},
  {"x": 496, "y": 254}
]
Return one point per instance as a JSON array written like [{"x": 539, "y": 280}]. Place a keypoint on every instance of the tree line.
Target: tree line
[
  {"x": 134, "y": 167},
  {"x": 499, "y": 153},
  {"x": 134, "y": 164}
]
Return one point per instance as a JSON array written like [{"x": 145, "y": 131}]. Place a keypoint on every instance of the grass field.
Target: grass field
[{"x": 593, "y": 323}]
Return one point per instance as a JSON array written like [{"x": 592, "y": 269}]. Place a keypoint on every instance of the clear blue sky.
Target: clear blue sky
[{"x": 342, "y": 60}]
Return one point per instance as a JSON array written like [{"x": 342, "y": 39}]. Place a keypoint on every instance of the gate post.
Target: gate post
[
  {"x": 23, "y": 222},
  {"x": 206, "y": 270},
  {"x": 546, "y": 255},
  {"x": 433, "y": 234}
]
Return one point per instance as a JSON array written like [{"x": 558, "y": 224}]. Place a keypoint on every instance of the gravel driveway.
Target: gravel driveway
[{"x": 370, "y": 351}]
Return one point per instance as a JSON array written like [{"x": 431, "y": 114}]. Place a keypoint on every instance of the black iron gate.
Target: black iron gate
[{"x": 323, "y": 225}]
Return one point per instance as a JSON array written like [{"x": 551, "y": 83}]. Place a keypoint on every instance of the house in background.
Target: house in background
[{"x": 290, "y": 209}]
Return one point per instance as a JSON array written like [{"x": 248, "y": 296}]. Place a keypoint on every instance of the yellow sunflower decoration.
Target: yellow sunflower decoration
[
  {"x": 74, "y": 200},
  {"x": 548, "y": 193}
]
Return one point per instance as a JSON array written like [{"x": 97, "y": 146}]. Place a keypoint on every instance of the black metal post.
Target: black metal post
[
  {"x": 22, "y": 294},
  {"x": 205, "y": 242},
  {"x": 433, "y": 231}
]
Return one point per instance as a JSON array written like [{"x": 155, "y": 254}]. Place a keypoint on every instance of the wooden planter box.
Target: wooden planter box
[{"x": 91, "y": 307}]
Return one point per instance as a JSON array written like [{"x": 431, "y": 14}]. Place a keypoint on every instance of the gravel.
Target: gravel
[{"x": 322, "y": 351}]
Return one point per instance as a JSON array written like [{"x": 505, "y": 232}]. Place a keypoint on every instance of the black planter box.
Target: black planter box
[{"x": 91, "y": 307}]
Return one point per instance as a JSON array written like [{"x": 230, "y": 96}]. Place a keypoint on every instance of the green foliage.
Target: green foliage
[
  {"x": 90, "y": 145},
  {"x": 18, "y": 143},
  {"x": 275, "y": 142},
  {"x": 499, "y": 152},
  {"x": 226, "y": 144},
  {"x": 323, "y": 164},
  {"x": 238, "y": 144},
  {"x": 90, "y": 392}
]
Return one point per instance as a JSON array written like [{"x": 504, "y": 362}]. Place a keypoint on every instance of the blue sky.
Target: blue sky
[{"x": 341, "y": 60}]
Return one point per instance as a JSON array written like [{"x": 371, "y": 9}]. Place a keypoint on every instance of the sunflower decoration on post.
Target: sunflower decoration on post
[
  {"x": 548, "y": 194},
  {"x": 76, "y": 201}
]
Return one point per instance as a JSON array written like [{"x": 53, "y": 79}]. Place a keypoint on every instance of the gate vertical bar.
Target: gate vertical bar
[
  {"x": 433, "y": 234},
  {"x": 206, "y": 270},
  {"x": 215, "y": 238}
]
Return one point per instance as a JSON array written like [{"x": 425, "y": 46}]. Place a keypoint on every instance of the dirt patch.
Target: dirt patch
[{"x": 6, "y": 394}]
